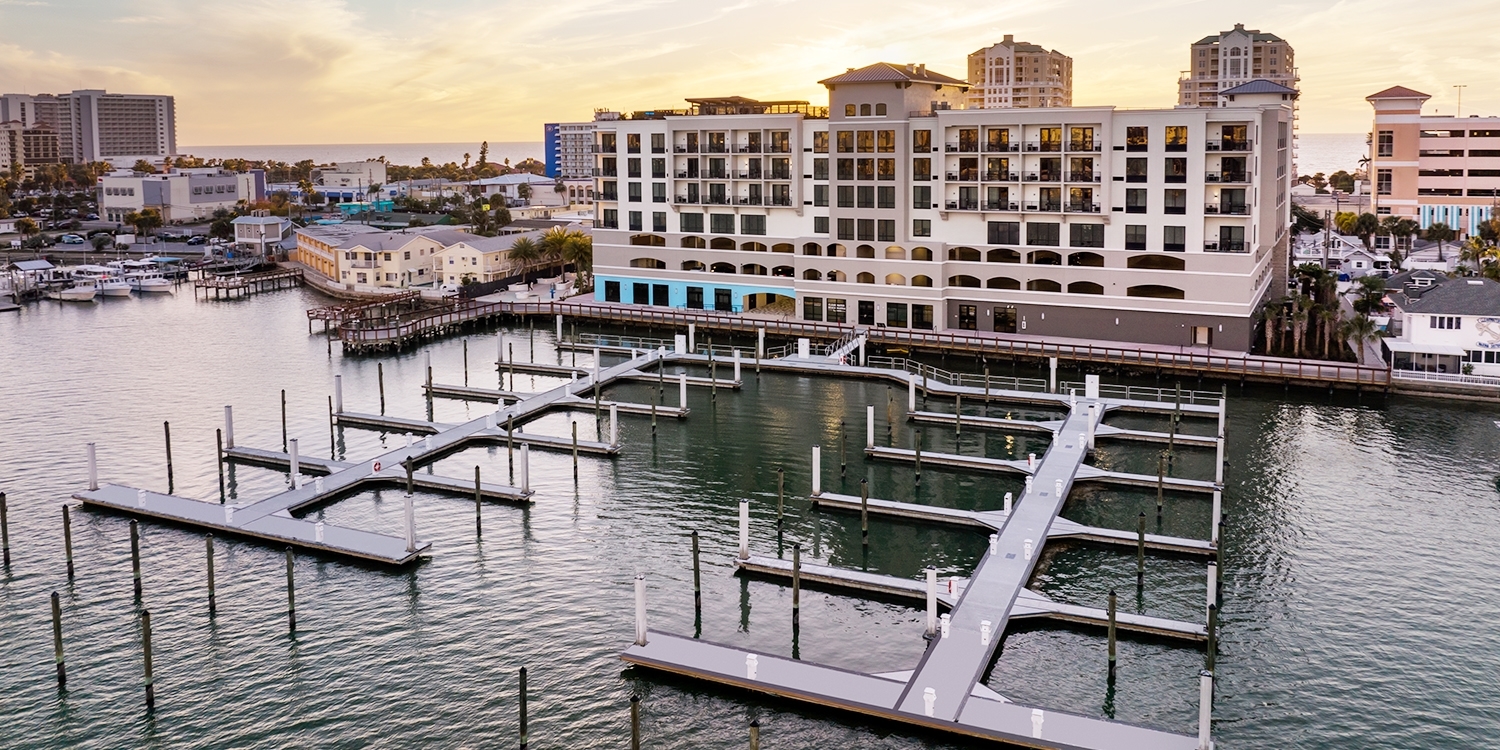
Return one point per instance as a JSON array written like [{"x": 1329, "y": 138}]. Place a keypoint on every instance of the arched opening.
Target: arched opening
[
  {"x": 1085, "y": 287},
  {"x": 864, "y": 251},
  {"x": 864, "y": 110},
  {"x": 784, "y": 271},
  {"x": 696, "y": 243},
  {"x": 721, "y": 243},
  {"x": 1043, "y": 285},
  {"x": 895, "y": 253},
  {"x": 838, "y": 251},
  {"x": 753, "y": 269},
  {"x": 1156, "y": 262},
  {"x": 722, "y": 268},
  {"x": 920, "y": 280},
  {"x": 865, "y": 277},
  {"x": 783, "y": 247},
  {"x": 848, "y": 110},
  {"x": 754, "y": 247},
  {"x": 836, "y": 276},
  {"x": 647, "y": 263},
  {"x": 895, "y": 279},
  {"x": 693, "y": 265},
  {"x": 921, "y": 253},
  {"x": 963, "y": 253},
  {"x": 1155, "y": 291},
  {"x": 812, "y": 275},
  {"x": 963, "y": 280},
  {"x": 650, "y": 240},
  {"x": 1044, "y": 258},
  {"x": 1002, "y": 282},
  {"x": 812, "y": 248},
  {"x": 1086, "y": 259},
  {"x": 1003, "y": 255},
  {"x": 880, "y": 110}
]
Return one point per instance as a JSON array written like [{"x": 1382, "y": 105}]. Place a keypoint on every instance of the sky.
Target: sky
[{"x": 388, "y": 71}]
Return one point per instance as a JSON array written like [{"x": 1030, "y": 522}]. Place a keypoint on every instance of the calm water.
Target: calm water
[
  {"x": 409, "y": 154},
  {"x": 1359, "y": 610}
]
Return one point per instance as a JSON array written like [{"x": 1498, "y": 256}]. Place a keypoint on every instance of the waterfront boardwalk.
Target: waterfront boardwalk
[
  {"x": 244, "y": 285},
  {"x": 945, "y": 690}
]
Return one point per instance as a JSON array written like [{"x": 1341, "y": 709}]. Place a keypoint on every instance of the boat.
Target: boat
[
  {"x": 143, "y": 276},
  {"x": 73, "y": 293},
  {"x": 105, "y": 279}
]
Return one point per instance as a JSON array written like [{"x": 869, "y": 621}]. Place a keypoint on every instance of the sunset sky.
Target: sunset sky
[{"x": 375, "y": 71}]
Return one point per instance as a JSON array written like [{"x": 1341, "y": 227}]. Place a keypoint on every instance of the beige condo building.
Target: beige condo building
[
  {"x": 1231, "y": 58},
  {"x": 1019, "y": 74},
  {"x": 1433, "y": 168}
]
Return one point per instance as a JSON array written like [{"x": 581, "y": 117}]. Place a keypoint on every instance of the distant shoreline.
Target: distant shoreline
[{"x": 410, "y": 154}]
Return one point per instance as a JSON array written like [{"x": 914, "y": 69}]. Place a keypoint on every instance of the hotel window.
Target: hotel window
[
  {"x": 721, "y": 223},
  {"x": 1177, "y": 137},
  {"x": 1086, "y": 235},
  {"x": 1176, "y": 170},
  {"x": 921, "y": 196},
  {"x": 820, "y": 142},
  {"x": 1382, "y": 182},
  {"x": 838, "y": 310},
  {"x": 1135, "y": 170},
  {"x": 880, "y": 110},
  {"x": 885, "y": 169},
  {"x": 611, "y": 218},
  {"x": 866, "y": 195},
  {"x": 633, "y": 167},
  {"x": 921, "y": 168},
  {"x": 1174, "y": 201},
  {"x": 607, "y": 142},
  {"x": 865, "y": 169},
  {"x": 1136, "y": 139},
  {"x": 1005, "y": 233},
  {"x": 866, "y": 141},
  {"x": 691, "y": 222},
  {"x": 848, "y": 110},
  {"x": 658, "y": 168},
  {"x": 633, "y": 190},
  {"x": 1386, "y": 146},
  {"x": 633, "y": 143},
  {"x": 658, "y": 221},
  {"x": 866, "y": 229},
  {"x": 820, "y": 169},
  {"x": 846, "y": 169},
  {"x": 1135, "y": 237},
  {"x": 635, "y": 221},
  {"x": 658, "y": 192},
  {"x": 846, "y": 196},
  {"x": 895, "y": 314},
  {"x": 921, "y": 141},
  {"x": 921, "y": 317},
  {"x": 864, "y": 110},
  {"x": 885, "y": 230},
  {"x": 752, "y": 225},
  {"x": 1135, "y": 201},
  {"x": 658, "y": 143},
  {"x": 1445, "y": 322},
  {"x": 1043, "y": 233},
  {"x": 846, "y": 229},
  {"x": 820, "y": 195},
  {"x": 885, "y": 197},
  {"x": 781, "y": 142},
  {"x": 820, "y": 225},
  {"x": 846, "y": 141},
  {"x": 1174, "y": 239},
  {"x": 812, "y": 308},
  {"x": 885, "y": 141},
  {"x": 921, "y": 227}
]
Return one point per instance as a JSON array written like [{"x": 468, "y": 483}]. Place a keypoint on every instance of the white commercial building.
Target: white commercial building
[
  {"x": 351, "y": 174},
  {"x": 890, "y": 208},
  {"x": 93, "y": 125},
  {"x": 180, "y": 195},
  {"x": 1019, "y": 74},
  {"x": 261, "y": 233}
]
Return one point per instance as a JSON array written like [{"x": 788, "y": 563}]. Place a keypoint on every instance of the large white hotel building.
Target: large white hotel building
[{"x": 893, "y": 206}]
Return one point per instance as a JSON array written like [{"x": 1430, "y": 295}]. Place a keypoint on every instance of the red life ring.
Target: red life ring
[{"x": 377, "y": 466}]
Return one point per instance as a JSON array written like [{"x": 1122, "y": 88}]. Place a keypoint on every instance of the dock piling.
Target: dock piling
[
  {"x": 1008, "y": 500},
  {"x": 1052, "y": 377},
  {"x": 228, "y": 429},
  {"x": 614, "y": 425},
  {"x": 559, "y": 327},
  {"x": 635, "y": 722},
  {"x": 796, "y": 585},
  {"x": 296, "y": 468},
  {"x": 916, "y": 446},
  {"x": 1205, "y": 708},
  {"x": 146, "y": 652},
  {"x": 864, "y": 513},
  {"x": 525, "y": 468},
  {"x": 135, "y": 557},
  {"x": 817, "y": 471},
  {"x": 167, "y": 433},
  {"x": 1140, "y": 551},
  {"x": 5, "y": 531},
  {"x": 208, "y": 544},
  {"x": 780, "y": 494},
  {"x": 291, "y": 594},
  {"x": 67, "y": 535},
  {"x": 755, "y": 734},
  {"x": 697, "y": 575},
  {"x": 478, "y": 498},
  {"x": 219, "y": 451},
  {"x": 1113, "y": 603},
  {"x": 958, "y": 415},
  {"x": 744, "y": 529},
  {"x": 466, "y": 361},
  {"x": 1161, "y": 461},
  {"x": 640, "y": 609},
  {"x": 869, "y": 426},
  {"x": 333, "y": 442},
  {"x": 411, "y": 521},
  {"x": 283, "y": 419},
  {"x": 843, "y": 448},
  {"x": 931, "y": 601},
  {"x": 57, "y": 649},
  {"x": 911, "y": 395},
  {"x": 93, "y": 468},
  {"x": 380, "y": 379},
  {"x": 523, "y": 709},
  {"x": 1212, "y": 648}
]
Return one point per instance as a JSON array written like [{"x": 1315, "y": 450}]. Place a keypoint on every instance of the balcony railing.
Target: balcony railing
[
  {"x": 750, "y": 200},
  {"x": 782, "y": 174},
  {"x": 779, "y": 149},
  {"x": 716, "y": 174},
  {"x": 1046, "y": 206},
  {"x": 1229, "y": 145},
  {"x": 716, "y": 200},
  {"x": 1227, "y": 209},
  {"x": 963, "y": 205},
  {"x": 1001, "y": 206},
  {"x": 598, "y": 149},
  {"x": 963, "y": 176},
  {"x": 1083, "y": 177},
  {"x": 609, "y": 196},
  {"x": 1083, "y": 208},
  {"x": 716, "y": 148},
  {"x": 685, "y": 149},
  {"x": 684, "y": 200},
  {"x": 604, "y": 172},
  {"x": 683, "y": 174},
  {"x": 997, "y": 176},
  {"x": 1043, "y": 177},
  {"x": 779, "y": 201},
  {"x": 1002, "y": 148},
  {"x": 1224, "y": 246},
  {"x": 1226, "y": 177},
  {"x": 1093, "y": 146},
  {"x": 744, "y": 148}
]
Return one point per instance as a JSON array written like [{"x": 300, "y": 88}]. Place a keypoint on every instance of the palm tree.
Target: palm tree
[
  {"x": 579, "y": 251},
  {"x": 1331, "y": 319},
  {"x": 1366, "y": 226},
  {"x": 523, "y": 255},
  {"x": 1440, "y": 233},
  {"x": 1270, "y": 313},
  {"x": 553, "y": 243},
  {"x": 1299, "y": 323},
  {"x": 1359, "y": 331}
]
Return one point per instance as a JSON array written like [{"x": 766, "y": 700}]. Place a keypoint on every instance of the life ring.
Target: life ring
[{"x": 377, "y": 466}]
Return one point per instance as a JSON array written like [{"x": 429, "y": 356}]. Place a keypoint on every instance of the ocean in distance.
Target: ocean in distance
[{"x": 394, "y": 153}]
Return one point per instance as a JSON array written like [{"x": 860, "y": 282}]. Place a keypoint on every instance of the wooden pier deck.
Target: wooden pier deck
[{"x": 244, "y": 285}]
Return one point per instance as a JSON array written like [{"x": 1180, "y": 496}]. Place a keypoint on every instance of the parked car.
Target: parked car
[
  {"x": 70, "y": 239},
  {"x": 197, "y": 240},
  {"x": 92, "y": 217}
]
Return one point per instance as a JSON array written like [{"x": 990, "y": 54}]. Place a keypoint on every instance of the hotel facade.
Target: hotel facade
[
  {"x": 1433, "y": 168},
  {"x": 893, "y": 206}
]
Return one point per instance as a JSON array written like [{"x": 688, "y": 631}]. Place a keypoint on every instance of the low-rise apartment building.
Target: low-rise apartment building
[
  {"x": 889, "y": 207},
  {"x": 1433, "y": 168},
  {"x": 179, "y": 195},
  {"x": 261, "y": 233},
  {"x": 360, "y": 256}
]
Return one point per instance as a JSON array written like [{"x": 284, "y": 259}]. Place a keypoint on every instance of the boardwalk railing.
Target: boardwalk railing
[
  {"x": 1446, "y": 377},
  {"x": 1146, "y": 393},
  {"x": 340, "y": 313},
  {"x": 1235, "y": 365},
  {"x": 963, "y": 379}
]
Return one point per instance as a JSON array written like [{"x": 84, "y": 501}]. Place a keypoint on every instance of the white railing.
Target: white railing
[
  {"x": 1446, "y": 377},
  {"x": 1146, "y": 393}
]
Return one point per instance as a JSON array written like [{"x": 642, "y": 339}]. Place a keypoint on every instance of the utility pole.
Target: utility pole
[
  {"x": 1327, "y": 235},
  {"x": 1460, "y": 87}
]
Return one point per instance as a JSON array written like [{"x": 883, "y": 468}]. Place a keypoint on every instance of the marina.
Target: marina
[{"x": 465, "y": 599}]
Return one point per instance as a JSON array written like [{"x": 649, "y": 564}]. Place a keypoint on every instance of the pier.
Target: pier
[
  {"x": 945, "y": 691},
  {"x": 245, "y": 285}
]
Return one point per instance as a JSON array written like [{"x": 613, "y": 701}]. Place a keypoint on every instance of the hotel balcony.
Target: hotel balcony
[
  {"x": 602, "y": 172},
  {"x": 1083, "y": 177},
  {"x": 685, "y": 149},
  {"x": 1228, "y": 145},
  {"x": 1227, "y": 209},
  {"x": 998, "y": 176},
  {"x": 747, "y": 148},
  {"x": 1001, "y": 206},
  {"x": 1224, "y": 247},
  {"x": 966, "y": 175},
  {"x": 684, "y": 200},
  {"x": 1085, "y": 146},
  {"x": 1002, "y": 148},
  {"x": 1083, "y": 208},
  {"x": 1230, "y": 177},
  {"x": 1043, "y": 177}
]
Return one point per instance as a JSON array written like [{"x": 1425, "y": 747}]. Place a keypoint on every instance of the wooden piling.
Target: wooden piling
[
  {"x": 780, "y": 495},
  {"x": 1160, "y": 479},
  {"x": 466, "y": 362},
  {"x": 755, "y": 734},
  {"x": 796, "y": 585},
  {"x": 407, "y": 464},
  {"x": 283, "y": 420},
  {"x": 219, "y": 448},
  {"x": 291, "y": 594},
  {"x": 864, "y": 512},
  {"x": 57, "y": 649},
  {"x": 635, "y": 722},
  {"x": 916, "y": 445},
  {"x": 135, "y": 557},
  {"x": 146, "y": 652},
  {"x": 333, "y": 443},
  {"x": 697, "y": 575},
  {"x": 5, "y": 530},
  {"x": 208, "y": 544},
  {"x": 843, "y": 448},
  {"x": 1112, "y": 610},
  {"x": 575, "y": 449},
  {"x": 68, "y": 538},
  {"x": 1140, "y": 551},
  {"x": 380, "y": 378},
  {"x": 523, "y": 708},
  {"x": 478, "y": 498},
  {"x": 167, "y": 431}
]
